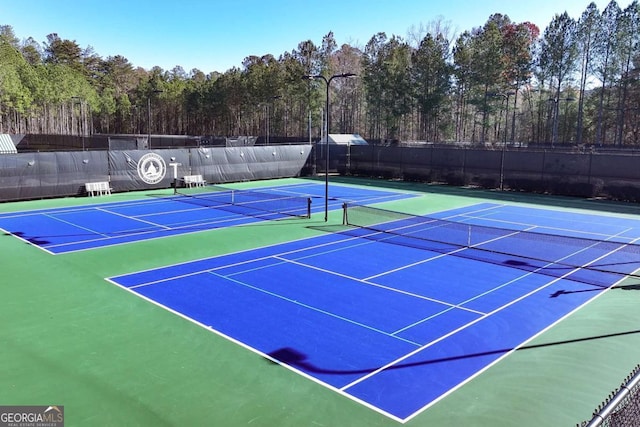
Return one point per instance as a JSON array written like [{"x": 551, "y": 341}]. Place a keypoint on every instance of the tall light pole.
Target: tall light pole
[
  {"x": 505, "y": 96},
  {"x": 268, "y": 118},
  {"x": 326, "y": 134},
  {"x": 82, "y": 122},
  {"x": 556, "y": 101},
  {"x": 504, "y": 144},
  {"x": 155, "y": 91}
]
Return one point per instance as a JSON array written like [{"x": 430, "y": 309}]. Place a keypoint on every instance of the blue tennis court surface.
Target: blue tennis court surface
[
  {"x": 395, "y": 325},
  {"x": 105, "y": 224}
]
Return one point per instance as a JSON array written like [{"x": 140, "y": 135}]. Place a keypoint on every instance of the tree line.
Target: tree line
[{"x": 504, "y": 82}]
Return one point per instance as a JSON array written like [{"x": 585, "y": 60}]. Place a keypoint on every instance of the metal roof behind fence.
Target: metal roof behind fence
[{"x": 6, "y": 145}]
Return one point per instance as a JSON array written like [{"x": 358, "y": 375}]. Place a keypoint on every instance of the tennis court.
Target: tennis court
[
  {"x": 384, "y": 315},
  {"x": 430, "y": 307},
  {"x": 105, "y": 224}
]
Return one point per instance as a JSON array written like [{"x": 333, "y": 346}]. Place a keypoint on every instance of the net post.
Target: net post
[
  {"x": 345, "y": 219},
  {"x": 308, "y": 207}
]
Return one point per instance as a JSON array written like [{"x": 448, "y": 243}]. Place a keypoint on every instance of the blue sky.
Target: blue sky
[{"x": 215, "y": 35}]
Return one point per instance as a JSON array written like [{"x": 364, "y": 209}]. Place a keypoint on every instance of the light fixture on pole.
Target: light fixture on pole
[{"x": 326, "y": 134}]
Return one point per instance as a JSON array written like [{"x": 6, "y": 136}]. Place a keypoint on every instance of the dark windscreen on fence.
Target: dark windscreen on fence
[
  {"x": 65, "y": 173},
  {"x": 584, "y": 174}
]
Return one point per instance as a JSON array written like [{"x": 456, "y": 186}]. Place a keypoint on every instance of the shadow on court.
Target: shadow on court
[
  {"x": 633, "y": 287},
  {"x": 296, "y": 359},
  {"x": 38, "y": 241}
]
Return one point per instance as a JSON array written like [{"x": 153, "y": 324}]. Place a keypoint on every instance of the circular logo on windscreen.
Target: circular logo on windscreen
[{"x": 151, "y": 168}]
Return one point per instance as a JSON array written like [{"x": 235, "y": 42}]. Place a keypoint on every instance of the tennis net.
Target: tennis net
[
  {"x": 583, "y": 259},
  {"x": 260, "y": 204}
]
